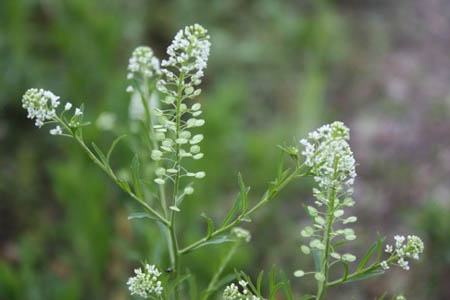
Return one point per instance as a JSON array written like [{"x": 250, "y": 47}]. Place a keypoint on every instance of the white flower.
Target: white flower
[
  {"x": 389, "y": 249},
  {"x": 384, "y": 265},
  {"x": 40, "y": 104},
  {"x": 241, "y": 233},
  {"x": 406, "y": 247},
  {"x": 56, "y": 131},
  {"x": 330, "y": 158},
  {"x": 78, "y": 112},
  {"x": 232, "y": 292},
  {"x": 143, "y": 63},
  {"x": 188, "y": 54},
  {"x": 68, "y": 106},
  {"x": 145, "y": 283}
]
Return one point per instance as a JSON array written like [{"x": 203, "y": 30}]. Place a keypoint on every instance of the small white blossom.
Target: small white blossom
[
  {"x": 78, "y": 112},
  {"x": 144, "y": 63},
  {"x": 68, "y": 106},
  {"x": 241, "y": 233},
  {"x": 56, "y": 131},
  {"x": 384, "y": 265},
  {"x": 40, "y": 104},
  {"x": 405, "y": 247},
  {"x": 232, "y": 292},
  {"x": 145, "y": 283}
]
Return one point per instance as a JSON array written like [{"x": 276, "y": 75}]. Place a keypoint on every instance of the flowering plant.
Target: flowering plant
[{"x": 164, "y": 93}]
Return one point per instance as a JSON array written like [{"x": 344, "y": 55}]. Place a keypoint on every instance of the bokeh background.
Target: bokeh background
[{"x": 278, "y": 69}]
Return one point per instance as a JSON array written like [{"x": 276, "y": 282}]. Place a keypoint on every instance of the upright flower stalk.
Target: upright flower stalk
[
  {"x": 170, "y": 117},
  {"x": 332, "y": 165}
]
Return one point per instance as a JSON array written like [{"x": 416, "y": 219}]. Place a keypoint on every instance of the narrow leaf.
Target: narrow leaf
[
  {"x": 243, "y": 193},
  {"x": 216, "y": 240},
  {"x": 366, "y": 257},
  {"x": 113, "y": 145},
  {"x": 259, "y": 281},
  {"x": 140, "y": 215},
  {"x": 135, "y": 166},
  {"x": 366, "y": 275},
  {"x": 100, "y": 154},
  {"x": 210, "y": 223}
]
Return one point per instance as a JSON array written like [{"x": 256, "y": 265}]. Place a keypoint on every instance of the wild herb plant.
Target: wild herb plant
[{"x": 171, "y": 118}]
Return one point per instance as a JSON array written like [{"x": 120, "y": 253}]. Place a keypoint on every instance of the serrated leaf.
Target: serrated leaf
[
  {"x": 100, "y": 154},
  {"x": 216, "y": 240},
  {"x": 113, "y": 145},
  {"x": 210, "y": 224}
]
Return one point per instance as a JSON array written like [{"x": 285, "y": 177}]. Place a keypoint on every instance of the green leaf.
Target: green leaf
[
  {"x": 237, "y": 205},
  {"x": 366, "y": 275},
  {"x": 243, "y": 193},
  {"x": 216, "y": 240},
  {"x": 210, "y": 223},
  {"x": 100, "y": 154},
  {"x": 380, "y": 240},
  {"x": 287, "y": 286},
  {"x": 259, "y": 281},
  {"x": 124, "y": 184},
  {"x": 366, "y": 257},
  {"x": 113, "y": 145},
  {"x": 141, "y": 216},
  {"x": 317, "y": 254},
  {"x": 345, "y": 271},
  {"x": 135, "y": 166},
  {"x": 307, "y": 297}
]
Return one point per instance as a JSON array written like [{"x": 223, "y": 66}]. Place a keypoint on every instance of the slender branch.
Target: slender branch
[{"x": 265, "y": 198}]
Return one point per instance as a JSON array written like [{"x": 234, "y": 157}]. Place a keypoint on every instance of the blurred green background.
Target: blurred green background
[{"x": 277, "y": 70}]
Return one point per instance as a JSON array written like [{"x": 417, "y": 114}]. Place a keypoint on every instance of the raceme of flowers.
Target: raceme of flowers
[
  {"x": 232, "y": 292},
  {"x": 331, "y": 162},
  {"x": 41, "y": 105},
  {"x": 146, "y": 282},
  {"x": 182, "y": 71},
  {"x": 404, "y": 248},
  {"x": 142, "y": 65}
]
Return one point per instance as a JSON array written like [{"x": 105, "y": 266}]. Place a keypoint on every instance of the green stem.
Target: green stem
[
  {"x": 322, "y": 285},
  {"x": 266, "y": 198}
]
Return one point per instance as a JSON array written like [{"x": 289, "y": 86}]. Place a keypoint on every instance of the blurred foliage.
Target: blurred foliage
[{"x": 277, "y": 70}]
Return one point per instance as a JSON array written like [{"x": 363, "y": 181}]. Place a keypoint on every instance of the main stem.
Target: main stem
[
  {"x": 145, "y": 97},
  {"x": 176, "y": 264},
  {"x": 323, "y": 285}
]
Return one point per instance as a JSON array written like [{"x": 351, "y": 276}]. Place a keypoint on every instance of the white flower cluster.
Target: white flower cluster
[
  {"x": 145, "y": 283},
  {"x": 241, "y": 233},
  {"x": 328, "y": 154},
  {"x": 402, "y": 251},
  {"x": 41, "y": 105},
  {"x": 188, "y": 55},
  {"x": 232, "y": 292},
  {"x": 332, "y": 164},
  {"x": 142, "y": 64}
]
